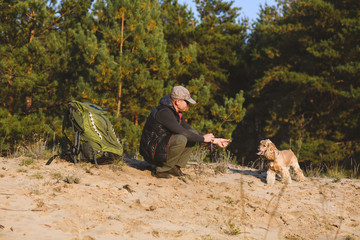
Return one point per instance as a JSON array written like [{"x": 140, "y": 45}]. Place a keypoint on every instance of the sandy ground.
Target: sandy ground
[{"x": 126, "y": 202}]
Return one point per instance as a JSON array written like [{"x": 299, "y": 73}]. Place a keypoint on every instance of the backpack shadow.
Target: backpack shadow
[{"x": 140, "y": 165}]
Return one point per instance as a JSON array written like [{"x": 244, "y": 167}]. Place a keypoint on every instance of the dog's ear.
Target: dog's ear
[
  {"x": 265, "y": 142},
  {"x": 268, "y": 143},
  {"x": 270, "y": 151},
  {"x": 272, "y": 146}
]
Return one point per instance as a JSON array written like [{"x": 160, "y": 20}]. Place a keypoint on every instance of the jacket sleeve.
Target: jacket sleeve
[{"x": 167, "y": 118}]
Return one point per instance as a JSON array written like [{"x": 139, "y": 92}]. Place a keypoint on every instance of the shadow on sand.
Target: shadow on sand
[
  {"x": 143, "y": 166},
  {"x": 255, "y": 173},
  {"x": 140, "y": 165}
]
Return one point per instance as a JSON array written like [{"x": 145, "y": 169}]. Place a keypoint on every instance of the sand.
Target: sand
[{"x": 67, "y": 201}]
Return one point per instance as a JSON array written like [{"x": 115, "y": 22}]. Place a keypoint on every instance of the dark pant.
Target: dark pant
[{"x": 179, "y": 153}]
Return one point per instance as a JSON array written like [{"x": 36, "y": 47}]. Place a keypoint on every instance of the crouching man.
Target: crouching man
[{"x": 167, "y": 139}]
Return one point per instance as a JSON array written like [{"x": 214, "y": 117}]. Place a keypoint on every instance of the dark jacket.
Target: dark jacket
[{"x": 162, "y": 123}]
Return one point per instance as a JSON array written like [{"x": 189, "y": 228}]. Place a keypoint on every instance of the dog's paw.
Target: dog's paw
[{"x": 301, "y": 179}]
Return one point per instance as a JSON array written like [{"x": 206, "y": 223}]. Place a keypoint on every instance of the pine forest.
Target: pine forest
[{"x": 292, "y": 75}]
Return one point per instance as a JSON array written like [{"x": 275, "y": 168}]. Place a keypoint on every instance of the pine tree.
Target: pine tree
[
  {"x": 27, "y": 58},
  {"x": 305, "y": 68},
  {"x": 132, "y": 68},
  {"x": 25, "y": 25},
  {"x": 34, "y": 65},
  {"x": 195, "y": 69},
  {"x": 220, "y": 41},
  {"x": 80, "y": 50},
  {"x": 179, "y": 31}
]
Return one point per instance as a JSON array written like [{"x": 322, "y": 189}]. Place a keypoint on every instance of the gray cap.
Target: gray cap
[{"x": 179, "y": 92}]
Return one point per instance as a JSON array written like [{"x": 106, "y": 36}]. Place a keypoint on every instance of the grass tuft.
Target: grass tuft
[
  {"x": 222, "y": 161},
  {"x": 27, "y": 162},
  {"x": 233, "y": 229},
  {"x": 72, "y": 179},
  {"x": 38, "y": 175},
  {"x": 57, "y": 176},
  {"x": 199, "y": 156}
]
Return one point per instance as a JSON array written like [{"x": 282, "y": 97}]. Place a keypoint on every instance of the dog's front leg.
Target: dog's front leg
[
  {"x": 270, "y": 178},
  {"x": 299, "y": 173},
  {"x": 285, "y": 175}
]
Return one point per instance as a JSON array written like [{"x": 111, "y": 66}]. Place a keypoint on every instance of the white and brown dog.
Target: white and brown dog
[{"x": 279, "y": 161}]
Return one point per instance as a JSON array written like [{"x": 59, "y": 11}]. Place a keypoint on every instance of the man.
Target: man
[{"x": 167, "y": 139}]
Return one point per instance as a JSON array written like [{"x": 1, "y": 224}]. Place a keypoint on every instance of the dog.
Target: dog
[{"x": 279, "y": 161}]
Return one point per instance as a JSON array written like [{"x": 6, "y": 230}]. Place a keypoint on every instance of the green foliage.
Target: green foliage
[
  {"x": 17, "y": 130},
  {"x": 197, "y": 114},
  {"x": 228, "y": 116},
  {"x": 133, "y": 64},
  {"x": 179, "y": 29},
  {"x": 319, "y": 151},
  {"x": 221, "y": 120},
  {"x": 298, "y": 70},
  {"x": 220, "y": 41},
  {"x": 129, "y": 133},
  {"x": 204, "y": 55},
  {"x": 37, "y": 65},
  {"x": 305, "y": 79}
]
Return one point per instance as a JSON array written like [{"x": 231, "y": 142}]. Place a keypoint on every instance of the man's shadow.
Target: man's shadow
[
  {"x": 138, "y": 164},
  {"x": 145, "y": 166}
]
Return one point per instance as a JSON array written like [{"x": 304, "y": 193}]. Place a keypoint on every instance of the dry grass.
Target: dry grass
[{"x": 198, "y": 155}]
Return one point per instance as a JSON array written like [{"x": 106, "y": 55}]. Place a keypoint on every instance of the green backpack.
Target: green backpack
[{"x": 94, "y": 136}]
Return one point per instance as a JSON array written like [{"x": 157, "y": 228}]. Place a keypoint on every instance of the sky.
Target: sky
[{"x": 249, "y": 8}]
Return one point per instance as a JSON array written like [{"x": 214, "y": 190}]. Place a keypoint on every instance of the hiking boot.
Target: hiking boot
[
  {"x": 161, "y": 174},
  {"x": 176, "y": 171}
]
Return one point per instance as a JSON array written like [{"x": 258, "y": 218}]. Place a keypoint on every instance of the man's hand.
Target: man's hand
[
  {"x": 221, "y": 142},
  {"x": 209, "y": 137}
]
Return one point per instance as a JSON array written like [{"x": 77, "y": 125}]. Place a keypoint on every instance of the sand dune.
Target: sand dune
[{"x": 126, "y": 202}]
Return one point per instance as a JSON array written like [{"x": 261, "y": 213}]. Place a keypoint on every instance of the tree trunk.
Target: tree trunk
[
  {"x": 120, "y": 82},
  {"x": 32, "y": 31}
]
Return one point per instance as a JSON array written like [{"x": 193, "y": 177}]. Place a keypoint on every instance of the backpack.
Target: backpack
[{"x": 94, "y": 136}]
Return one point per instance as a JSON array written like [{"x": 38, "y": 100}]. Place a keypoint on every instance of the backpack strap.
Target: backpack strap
[
  {"x": 94, "y": 156},
  {"x": 51, "y": 159},
  {"x": 74, "y": 149}
]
